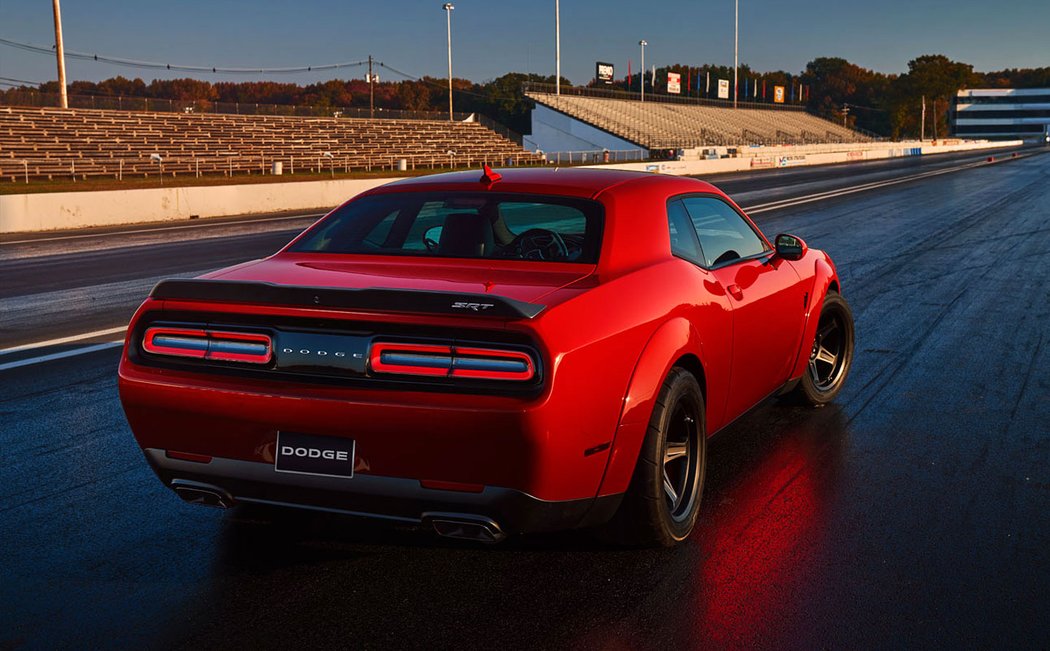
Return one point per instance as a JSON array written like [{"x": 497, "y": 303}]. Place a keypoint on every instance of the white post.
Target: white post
[
  {"x": 736, "y": 46},
  {"x": 448, "y": 7},
  {"x": 60, "y": 52},
  {"x": 922, "y": 121},
  {"x": 641, "y": 76},
  {"x": 558, "y": 46}
]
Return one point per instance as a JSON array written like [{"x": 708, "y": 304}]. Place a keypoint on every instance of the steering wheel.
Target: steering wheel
[{"x": 538, "y": 244}]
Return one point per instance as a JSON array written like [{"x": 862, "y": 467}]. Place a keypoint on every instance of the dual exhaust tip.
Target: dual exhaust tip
[{"x": 447, "y": 525}]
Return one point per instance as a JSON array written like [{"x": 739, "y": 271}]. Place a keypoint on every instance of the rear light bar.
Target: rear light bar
[
  {"x": 214, "y": 345},
  {"x": 451, "y": 361}
]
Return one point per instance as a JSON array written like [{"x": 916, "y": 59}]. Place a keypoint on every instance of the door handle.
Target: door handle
[{"x": 734, "y": 291}]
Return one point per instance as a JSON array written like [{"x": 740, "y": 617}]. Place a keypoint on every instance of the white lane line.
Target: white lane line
[
  {"x": 67, "y": 353},
  {"x": 831, "y": 194},
  {"x": 62, "y": 340},
  {"x": 164, "y": 229}
]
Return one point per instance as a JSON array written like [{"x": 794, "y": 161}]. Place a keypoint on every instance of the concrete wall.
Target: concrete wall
[
  {"x": 756, "y": 158},
  {"x": 59, "y": 210},
  {"x": 553, "y": 132}
]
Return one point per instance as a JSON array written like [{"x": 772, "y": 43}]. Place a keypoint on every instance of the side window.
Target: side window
[
  {"x": 724, "y": 235},
  {"x": 683, "y": 237}
]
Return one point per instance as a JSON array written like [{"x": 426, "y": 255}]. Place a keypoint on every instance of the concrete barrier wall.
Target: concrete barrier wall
[
  {"x": 60, "y": 210},
  {"x": 756, "y": 158}
]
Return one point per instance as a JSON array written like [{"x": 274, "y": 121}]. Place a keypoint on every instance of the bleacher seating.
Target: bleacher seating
[
  {"x": 50, "y": 143},
  {"x": 665, "y": 125}
]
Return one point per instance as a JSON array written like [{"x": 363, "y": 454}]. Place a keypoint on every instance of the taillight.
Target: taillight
[
  {"x": 215, "y": 345},
  {"x": 451, "y": 361}
]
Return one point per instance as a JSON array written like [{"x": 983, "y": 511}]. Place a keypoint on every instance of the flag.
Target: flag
[
  {"x": 707, "y": 90},
  {"x": 745, "y": 86},
  {"x": 628, "y": 74},
  {"x": 755, "y": 93},
  {"x": 688, "y": 80},
  {"x": 763, "y": 89},
  {"x": 654, "y": 77}
]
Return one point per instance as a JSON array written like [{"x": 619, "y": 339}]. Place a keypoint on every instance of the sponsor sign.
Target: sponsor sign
[
  {"x": 854, "y": 155},
  {"x": 674, "y": 83},
  {"x": 778, "y": 94},
  {"x": 762, "y": 162},
  {"x": 604, "y": 72},
  {"x": 789, "y": 161},
  {"x": 723, "y": 89}
]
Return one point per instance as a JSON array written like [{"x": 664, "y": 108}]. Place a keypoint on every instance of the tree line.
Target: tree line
[{"x": 832, "y": 87}]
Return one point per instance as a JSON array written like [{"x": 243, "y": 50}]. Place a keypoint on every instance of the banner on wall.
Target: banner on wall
[
  {"x": 723, "y": 89},
  {"x": 604, "y": 72},
  {"x": 674, "y": 83},
  {"x": 778, "y": 94}
]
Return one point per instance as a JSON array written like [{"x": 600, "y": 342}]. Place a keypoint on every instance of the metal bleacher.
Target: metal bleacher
[
  {"x": 51, "y": 143},
  {"x": 658, "y": 125}
]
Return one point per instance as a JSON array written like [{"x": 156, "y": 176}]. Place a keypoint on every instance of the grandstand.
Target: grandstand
[
  {"x": 667, "y": 125},
  {"x": 50, "y": 143}
]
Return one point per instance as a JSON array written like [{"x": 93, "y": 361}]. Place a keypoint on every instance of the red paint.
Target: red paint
[{"x": 605, "y": 341}]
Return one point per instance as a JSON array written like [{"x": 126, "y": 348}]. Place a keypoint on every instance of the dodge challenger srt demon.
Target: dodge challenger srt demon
[{"x": 527, "y": 351}]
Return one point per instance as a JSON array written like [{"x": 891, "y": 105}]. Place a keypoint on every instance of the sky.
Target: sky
[{"x": 492, "y": 37}]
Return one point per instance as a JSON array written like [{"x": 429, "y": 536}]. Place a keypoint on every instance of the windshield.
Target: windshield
[{"x": 462, "y": 225}]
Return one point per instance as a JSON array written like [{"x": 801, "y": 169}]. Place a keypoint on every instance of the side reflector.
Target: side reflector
[
  {"x": 451, "y": 361},
  {"x": 220, "y": 346}
]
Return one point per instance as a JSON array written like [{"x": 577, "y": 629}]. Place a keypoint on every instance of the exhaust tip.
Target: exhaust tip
[
  {"x": 202, "y": 494},
  {"x": 465, "y": 527}
]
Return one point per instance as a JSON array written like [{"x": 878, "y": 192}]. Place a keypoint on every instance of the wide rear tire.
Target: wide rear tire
[{"x": 663, "y": 499}]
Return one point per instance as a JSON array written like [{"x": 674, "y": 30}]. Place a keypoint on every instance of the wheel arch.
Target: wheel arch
[
  {"x": 675, "y": 343},
  {"x": 825, "y": 280}
]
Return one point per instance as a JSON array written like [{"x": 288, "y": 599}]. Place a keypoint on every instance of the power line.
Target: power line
[
  {"x": 153, "y": 65},
  {"x": 21, "y": 81}
]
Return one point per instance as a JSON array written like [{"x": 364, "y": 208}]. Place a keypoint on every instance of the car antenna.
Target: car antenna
[{"x": 489, "y": 177}]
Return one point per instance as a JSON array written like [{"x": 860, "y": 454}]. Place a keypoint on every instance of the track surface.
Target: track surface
[{"x": 913, "y": 512}]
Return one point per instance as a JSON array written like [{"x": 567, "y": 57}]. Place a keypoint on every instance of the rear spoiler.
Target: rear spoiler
[{"x": 382, "y": 300}]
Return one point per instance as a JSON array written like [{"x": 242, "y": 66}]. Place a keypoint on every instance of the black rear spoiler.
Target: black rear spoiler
[{"x": 382, "y": 300}]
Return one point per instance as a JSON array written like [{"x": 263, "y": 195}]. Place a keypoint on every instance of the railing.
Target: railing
[
  {"x": 594, "y": 156},
  {"x": 608, "y": 93},
  {"x": 149, "y": 104}
]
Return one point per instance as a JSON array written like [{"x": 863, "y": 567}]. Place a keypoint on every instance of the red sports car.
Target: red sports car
[{"x": 486, "y": 355}]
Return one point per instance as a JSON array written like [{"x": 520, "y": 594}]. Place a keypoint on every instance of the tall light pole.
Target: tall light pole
[
  {"x": 736, "y": 45},
  {"x": 641, "y": 77},
  {"x": 61, "y": 55},
  {"x": 448, "y": 7},
  {"x": 558, "y": 46}
]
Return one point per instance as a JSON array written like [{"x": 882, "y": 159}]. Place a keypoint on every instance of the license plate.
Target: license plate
[{"x": 306, "y": 454}]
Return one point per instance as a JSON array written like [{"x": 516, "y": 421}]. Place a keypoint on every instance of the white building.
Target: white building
[{"x": 1002, "y": 113}]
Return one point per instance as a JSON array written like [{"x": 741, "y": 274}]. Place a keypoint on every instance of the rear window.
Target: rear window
[{"x": 462, "y": 225}]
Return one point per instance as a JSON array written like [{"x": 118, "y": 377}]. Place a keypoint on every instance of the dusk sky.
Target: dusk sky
[{"x": 493, "y": 37}]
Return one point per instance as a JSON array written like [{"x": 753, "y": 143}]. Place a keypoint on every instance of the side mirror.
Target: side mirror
[{"x": 790, "y": 247}]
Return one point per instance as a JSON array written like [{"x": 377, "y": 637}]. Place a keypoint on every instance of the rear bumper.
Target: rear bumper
[{"x": 386, "y": 498}]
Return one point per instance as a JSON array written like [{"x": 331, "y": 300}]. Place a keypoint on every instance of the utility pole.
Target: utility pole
[
  {"x": 922, "y": 121},
  {"x": 448, "y": 7},
  {"x": 934, "y": 116},
  {"x": 557, "y": 46},
  {"x": 61, "y": 55},
  {"x": 371, "y": 90},
  {"x": 736, "y": 46},
  {"x": 641, "y": 75}
]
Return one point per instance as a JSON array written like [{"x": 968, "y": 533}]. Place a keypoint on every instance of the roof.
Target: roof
[{"x": 571, "y": 181}]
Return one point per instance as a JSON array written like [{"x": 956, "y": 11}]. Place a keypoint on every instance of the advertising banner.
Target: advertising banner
[
  {"x": 778, "y": 94},
  {"x": 723, "y": 89},
  {"x": 604, "y": 72},
  {"x": 674, "y": 83}
]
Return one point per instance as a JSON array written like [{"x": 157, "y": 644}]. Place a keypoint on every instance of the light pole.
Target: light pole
[
  {"x": 448, "y": 7},
  {"x": 61, "y": 57},
  {"x": 557, "y": 46},
  {"x": 736, "y": 45},
  {"x": 641, "y": 77}
]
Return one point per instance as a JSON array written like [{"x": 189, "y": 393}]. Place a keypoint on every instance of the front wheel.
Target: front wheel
[
  {"x": 831, "y": 354},
  {"x": 663, "y": 499}
]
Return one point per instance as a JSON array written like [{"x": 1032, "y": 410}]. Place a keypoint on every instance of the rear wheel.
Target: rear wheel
[
  {"x": 831, "y": 354},
  {"x": 663, "y": 499}
]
